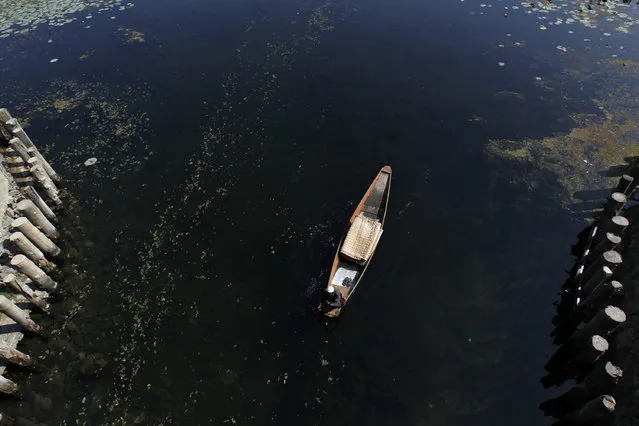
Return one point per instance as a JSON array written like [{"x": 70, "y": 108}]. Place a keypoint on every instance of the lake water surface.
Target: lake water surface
[{"x": 233, "y": 141}]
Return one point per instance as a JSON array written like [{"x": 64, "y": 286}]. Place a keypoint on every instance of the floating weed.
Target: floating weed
[
  {"x": 505, "y": 94},
  {"x": 20, "y": 16},
  {"x": 599, "y": 140},
  {"x": 610, "y": 16},
  {"x": 577, "y": 157},
  {"x": 103, "y": 123},
  {"x": 231, "y": 141},
  {"x": 131, "y": 36}
]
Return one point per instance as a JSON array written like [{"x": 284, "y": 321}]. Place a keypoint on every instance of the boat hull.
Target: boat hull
[{"x": 346, "y": 274}]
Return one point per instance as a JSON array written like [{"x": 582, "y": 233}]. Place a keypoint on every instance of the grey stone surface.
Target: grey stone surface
[
  {"x": 10, "y": 334},
  {"x": 4, "y": 192}
]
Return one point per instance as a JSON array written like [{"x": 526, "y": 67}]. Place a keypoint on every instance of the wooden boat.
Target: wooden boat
[{"x": 359, "y": 241}]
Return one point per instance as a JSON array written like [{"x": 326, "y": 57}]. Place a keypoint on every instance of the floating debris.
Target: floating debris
[
  {"x": 562, "y": 48},
  {"x": 54, "y": 60},
  {"x": 501, "y": 64},
  {"x": 91, "y": 161}
]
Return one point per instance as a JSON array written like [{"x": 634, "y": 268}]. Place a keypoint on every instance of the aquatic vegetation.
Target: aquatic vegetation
[
  {"x": 226, "y": 375},
  {"x": 22, "y": 16},
  {"x": 101, "y": 122},
  {"x": 504, "y": 94},
  {"x": 627, "y": 66},
  {"x": 579, "y": 159},
  {"x": 319, "y": 22},
  {"x": 231, "y": 141},
  {"x": 131, "y": 36},
  {"x": 86, "y": 55},
  {"x": 553, "y": 14},
  {"x": 62, "y": 105},
  {"x": 154, "y": 264},
  {"x": 610, "y": 17},
  {"x": 510, "y": 150},
  {"x": 603, "y": 133}
]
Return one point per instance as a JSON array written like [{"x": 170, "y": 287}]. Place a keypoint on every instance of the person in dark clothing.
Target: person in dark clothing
[{"x": 333, "y": 298}]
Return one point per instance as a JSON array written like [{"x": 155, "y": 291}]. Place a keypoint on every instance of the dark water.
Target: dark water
[{"x": 232, "y": 146}]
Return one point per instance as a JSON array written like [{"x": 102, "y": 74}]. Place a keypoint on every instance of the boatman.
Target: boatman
[{"x": 332, "y": 298}]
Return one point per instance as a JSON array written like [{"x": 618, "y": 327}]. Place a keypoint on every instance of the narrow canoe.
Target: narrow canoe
[{"x": 358, "y": 244}]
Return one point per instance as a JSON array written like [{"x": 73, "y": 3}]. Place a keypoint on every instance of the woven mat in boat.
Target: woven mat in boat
[{"x": 362, "y": 238}]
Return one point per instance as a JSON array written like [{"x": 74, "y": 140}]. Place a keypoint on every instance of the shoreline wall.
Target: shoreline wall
[
  {"x": 597, "y": 319},
  {"x": 29, "y": 253}
]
